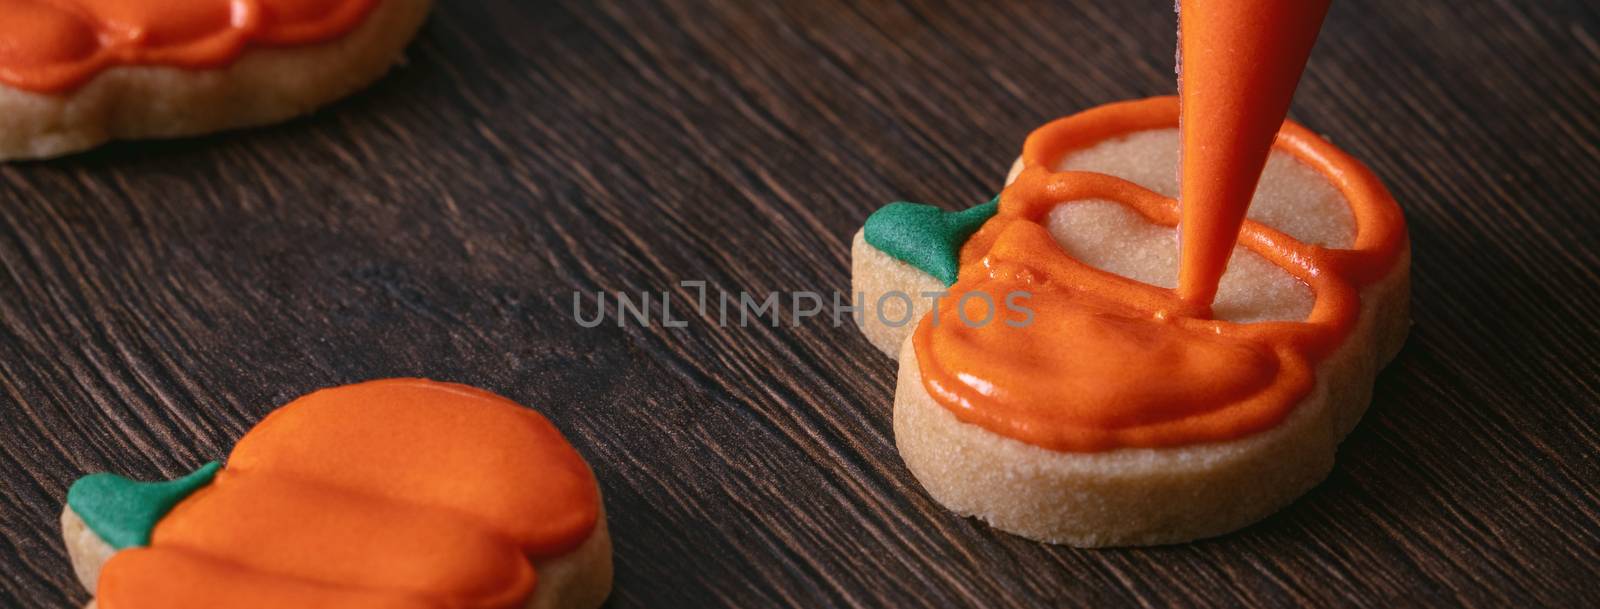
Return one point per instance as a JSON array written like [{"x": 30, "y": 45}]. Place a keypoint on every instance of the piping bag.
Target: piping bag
[{"x": 1238, "y": 64}]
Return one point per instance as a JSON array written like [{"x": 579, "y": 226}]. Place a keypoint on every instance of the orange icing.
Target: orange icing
[
  {"x": 51, "y": 46},
  {"x": 398, "y": 493},
  {"x": 1110, "y": 362},
  {"x": 1239, "y": 63}
]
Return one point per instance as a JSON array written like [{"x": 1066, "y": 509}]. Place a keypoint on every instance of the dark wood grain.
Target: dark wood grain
[{"x": 156, "y": 299}]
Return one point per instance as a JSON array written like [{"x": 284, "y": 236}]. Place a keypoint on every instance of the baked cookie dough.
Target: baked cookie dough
[
  {"x": 75, "y": 73},
  {"x": 1120, "y": 422},
  {"x": 1173, "y": 371},
  {"x": 396, "y": 493}
]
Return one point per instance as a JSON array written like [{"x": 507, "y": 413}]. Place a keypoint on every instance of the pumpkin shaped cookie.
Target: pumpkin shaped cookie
[
  {"x": 77, "y": 73},
  {"x": 1118, "y": 415},
  {"x": 399, "y": 493},
  {"x": 1198, "y": 295}
]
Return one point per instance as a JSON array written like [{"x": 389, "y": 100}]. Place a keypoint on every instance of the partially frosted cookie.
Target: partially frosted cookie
[
  {"x": 397, "y": 493},
  {"x": 1111, "y": 412},
  {"x": 77, "y": 73}
]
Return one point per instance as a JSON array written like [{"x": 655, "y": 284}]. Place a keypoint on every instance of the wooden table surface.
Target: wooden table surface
[{"x": 156, "y": 299}]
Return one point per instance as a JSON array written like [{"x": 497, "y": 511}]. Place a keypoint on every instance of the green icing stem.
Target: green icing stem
[
  {"x": 925, "y": 236},
  {"x": 123, "y": 511}
]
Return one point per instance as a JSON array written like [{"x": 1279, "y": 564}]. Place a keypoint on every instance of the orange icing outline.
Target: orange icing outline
[
  {"x": 52, "y": 46},
  {"x": 1014, "y": 251}
]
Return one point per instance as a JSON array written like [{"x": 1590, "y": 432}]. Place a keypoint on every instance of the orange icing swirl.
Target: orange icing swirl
[
  {"x": 1110, "y": 362},
  {"x": 394, "y": 493},
  {"x": 52, "y": 46}
]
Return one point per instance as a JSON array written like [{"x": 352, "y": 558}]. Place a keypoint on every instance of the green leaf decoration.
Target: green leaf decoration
[
  {"x": 123, "y": 511},
  {"x": 925, "y": 236}
]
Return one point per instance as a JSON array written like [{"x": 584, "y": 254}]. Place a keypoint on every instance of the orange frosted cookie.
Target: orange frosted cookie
[
  {"x": 1109, "y": 366},
  {"x": 76, "y": 73},
  {"x": 395, "y": 493}
]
